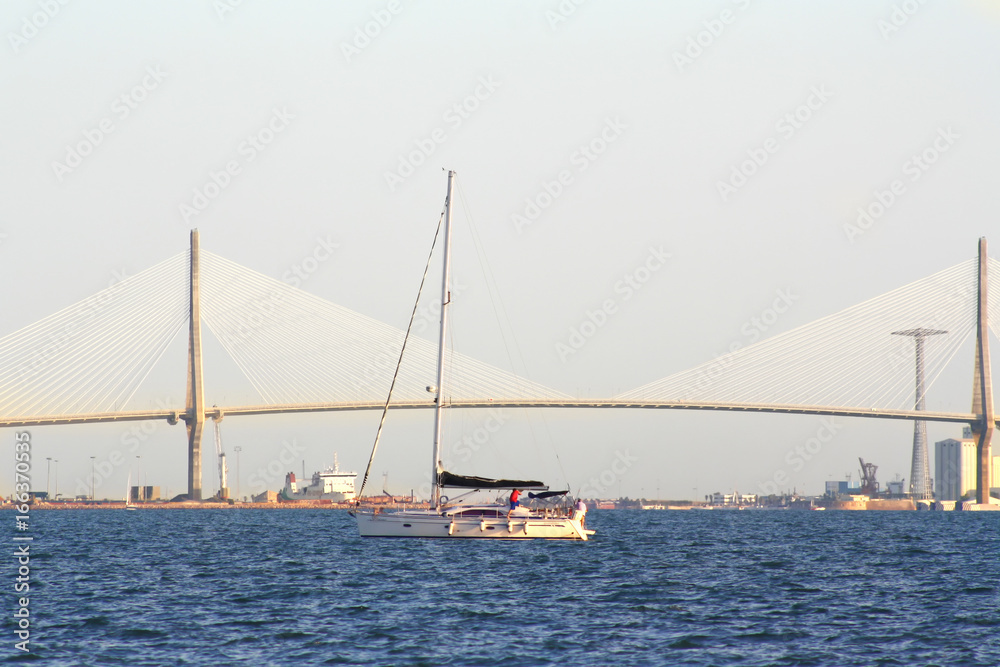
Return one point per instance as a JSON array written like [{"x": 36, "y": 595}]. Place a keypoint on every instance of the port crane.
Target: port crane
[
  {"x": 869, "y": 486},
  {"x": 223, "y": 471}
]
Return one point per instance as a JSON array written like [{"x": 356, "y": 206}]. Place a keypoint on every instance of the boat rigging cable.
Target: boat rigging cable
[
  {"x": 413, "y": 316},
  {"x": 500, "y": 314}
]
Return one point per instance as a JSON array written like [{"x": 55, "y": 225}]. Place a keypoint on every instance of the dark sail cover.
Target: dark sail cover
[
  {"x": 548, "y": 494},
  {"x": 451, "y": 480}
]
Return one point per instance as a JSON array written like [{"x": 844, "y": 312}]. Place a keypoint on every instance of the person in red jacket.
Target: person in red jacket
[{"x": 514, "y": 495}]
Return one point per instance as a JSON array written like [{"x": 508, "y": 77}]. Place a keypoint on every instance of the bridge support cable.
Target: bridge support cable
[
  {"x": 847, "y": 359},
  {"x": 402, "y": 354},
  {"x": 294, "y": 347},
  {"x": 85, "y": 363},
  {"x": 92, "y": 356},
  {"x": 993, "y": 296}
]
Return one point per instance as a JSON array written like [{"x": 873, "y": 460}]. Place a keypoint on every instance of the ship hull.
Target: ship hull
[{"x": 335, "y": 497}]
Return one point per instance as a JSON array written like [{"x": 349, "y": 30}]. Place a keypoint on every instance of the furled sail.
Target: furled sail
[
  {"x": 454, "y": 481},
  {"x": 545, "y": 495}
]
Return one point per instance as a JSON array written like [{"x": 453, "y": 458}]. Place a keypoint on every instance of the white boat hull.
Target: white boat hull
[{"x": 416, "y": 523}]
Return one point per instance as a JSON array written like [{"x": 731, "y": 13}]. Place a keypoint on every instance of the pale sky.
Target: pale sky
[{"x": 831, "y": 99}]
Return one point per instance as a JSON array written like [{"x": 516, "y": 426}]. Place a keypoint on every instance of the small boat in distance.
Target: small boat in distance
[
  {"x": 128, "y": 494},
  {"x": 453, "y": 519}
]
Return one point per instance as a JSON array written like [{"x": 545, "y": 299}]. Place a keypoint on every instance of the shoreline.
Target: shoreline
[
  {"x": 329, "y": 505},
  {"x": 187, "y": 505}
]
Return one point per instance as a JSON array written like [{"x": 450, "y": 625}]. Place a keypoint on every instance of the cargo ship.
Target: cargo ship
[{"x": 330, "y": 484}]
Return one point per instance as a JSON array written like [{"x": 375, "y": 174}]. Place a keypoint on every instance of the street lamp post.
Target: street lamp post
[
  {"x": 92, "y": 478},
  {"x": 238, "y": 449},
  {"x": 48, "y": 476},
  {"x": 57, "y": 477}
]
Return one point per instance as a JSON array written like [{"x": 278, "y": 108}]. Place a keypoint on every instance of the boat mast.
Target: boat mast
[{"x": 445, "y": 300}]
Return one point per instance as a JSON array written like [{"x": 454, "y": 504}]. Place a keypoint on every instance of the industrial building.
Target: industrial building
[
  {"x": 143, "y": 493},
  {"x": 955, "y": 468},
  {"x": 735, "y": 499},
  {"x": 896, "y": 488},
  {"x": 266, "y": 497},
  {"x": 836, "y": 488}
]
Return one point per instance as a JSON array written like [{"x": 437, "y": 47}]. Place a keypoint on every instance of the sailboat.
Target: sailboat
[
  {"x": 454, "y": 519},
  {"x": 128, "y": 493}
]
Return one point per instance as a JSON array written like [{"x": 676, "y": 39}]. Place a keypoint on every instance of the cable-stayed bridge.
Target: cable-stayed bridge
[{"x": 301, "y": 353}]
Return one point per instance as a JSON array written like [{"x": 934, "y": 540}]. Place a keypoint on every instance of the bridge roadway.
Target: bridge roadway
[{"x": 175, "y": 416}]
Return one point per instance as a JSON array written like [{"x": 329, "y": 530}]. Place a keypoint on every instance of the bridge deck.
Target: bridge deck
[{"x": 174, "y": 416}]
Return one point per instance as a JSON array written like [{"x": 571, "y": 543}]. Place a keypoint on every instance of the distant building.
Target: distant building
[
  {"x": 896, "y": 488},
  {"x": 836, "y": 488},
  {"x": 720, "y": 499},
  {"x": 266, "y": 497},
  {"x": 145, "y": 493},
  {"x": 735, "y": 499},
  {"x": 971, "y": 471},
  {"x": 954, "y": 468}
]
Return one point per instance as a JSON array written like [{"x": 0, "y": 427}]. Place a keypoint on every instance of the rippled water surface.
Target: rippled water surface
[{"x": 299, "y": 587}]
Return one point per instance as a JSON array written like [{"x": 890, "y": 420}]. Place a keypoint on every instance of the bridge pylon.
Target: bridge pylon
[
  {"x": 982, "y": 385},
  {"x": 194, "y": 415}
]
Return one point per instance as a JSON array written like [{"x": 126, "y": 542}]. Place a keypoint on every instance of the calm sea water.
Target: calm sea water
[{"x": 299, "y": 587}]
